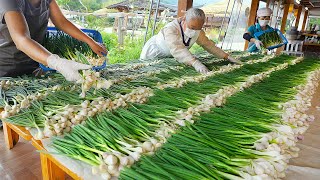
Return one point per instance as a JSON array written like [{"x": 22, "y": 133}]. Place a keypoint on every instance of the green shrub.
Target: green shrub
[
  {"x": 97, "y": 23},
  {"x": 110, "y": 40},
  {"x": 130, "y": 51}
]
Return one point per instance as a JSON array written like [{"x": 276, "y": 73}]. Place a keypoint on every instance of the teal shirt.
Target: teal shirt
[{"x": 252, "y": 30}]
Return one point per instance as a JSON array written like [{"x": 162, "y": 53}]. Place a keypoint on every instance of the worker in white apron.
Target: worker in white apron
[
  {"x": 23, "y": 24},
  {"x": 177, "y": 37}
]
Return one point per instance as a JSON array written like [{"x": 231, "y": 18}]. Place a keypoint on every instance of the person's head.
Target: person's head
[
  {"x": 263, "y": 16},
  {"x": 193, "y": 21}
]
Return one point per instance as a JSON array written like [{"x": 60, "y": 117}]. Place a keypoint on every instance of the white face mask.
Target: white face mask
[
  {"x": 264, "y": 22},
  {"x": 191, "y": 33}
]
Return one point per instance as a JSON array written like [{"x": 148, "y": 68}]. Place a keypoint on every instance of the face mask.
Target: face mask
[
  {"x": 264, "y": 22},
  {"x": 191, "y": 33}
]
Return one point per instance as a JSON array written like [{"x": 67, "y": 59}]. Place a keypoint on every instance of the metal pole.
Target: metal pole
[
  {"x": 225, "y": 15},
  {"x": 155, "y": 18},
  {"x": 120, "y": 32},
  {"x": 277, "y": 15},
  {"x": 272, "y": 11},
  {"x": 236, "y": 24},
  {"x": 133, "y": 25},
  {"x": 212, "y": 23},
  {"x": 147, "y": 28},
  {"x": 229, "y": 21}
]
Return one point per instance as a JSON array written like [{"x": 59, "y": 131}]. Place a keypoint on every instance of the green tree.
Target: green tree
[
  {"x": 98, "y": 23},
  {"x": 81, "y": 5},
  {"x": 314, "y": 20}
]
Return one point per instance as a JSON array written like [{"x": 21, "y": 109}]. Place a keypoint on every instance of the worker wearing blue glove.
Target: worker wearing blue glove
[
  {"x": 23, "y": 25},
  {"x": 263, "y": 19}
]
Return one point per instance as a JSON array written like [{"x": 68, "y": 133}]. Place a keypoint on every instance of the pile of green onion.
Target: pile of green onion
[
  {"x": 139, "y": 139},
  {"x": 269, "y": 39}
]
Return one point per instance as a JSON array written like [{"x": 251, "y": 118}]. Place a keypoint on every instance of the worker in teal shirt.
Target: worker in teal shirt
[{"x": 263, "y": 19}]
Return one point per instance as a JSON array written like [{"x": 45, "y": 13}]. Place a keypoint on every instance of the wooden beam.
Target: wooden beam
[
  {"x": 305, "y": 17},
  {"x": 10, "y": 136},
  {"x": 252, "y": 17},
  {"x": 298, "y": 16},
  {"x": 283, "y": 23},
  {"x": 291, "y": 8},
  {"x": 50, "y": 171},
  {"x": 284, "y": 17},
  {"x": 183, "y": 6}
]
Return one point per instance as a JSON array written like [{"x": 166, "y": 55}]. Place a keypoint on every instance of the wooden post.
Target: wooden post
[
  {"x": 268, "y": 3},
  {"x": 120, "y": 31},
  {"x": 283, "y": 24},
  {"x": 252, "y": 17},
  {"x": 11, "y": 138},
  {"x": 306, "y": 14},
  {"x": 298, "y": 16},
  {"x": 50, "y": 171},
  {"x": 291, "y": 7},
  {"x": 284, "y": 18},
  {"x": 183, "y": 6}
]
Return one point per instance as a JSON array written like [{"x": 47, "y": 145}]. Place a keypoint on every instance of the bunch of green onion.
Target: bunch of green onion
[
  {"x": 269, "y": 39},
  {"x": 163, "y": 105},
  {"x": 220, "y": 145}
]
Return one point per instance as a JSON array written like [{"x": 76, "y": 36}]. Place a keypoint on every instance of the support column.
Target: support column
[
  {"x": 268, "y": 3},
  {"x": 11, "y": 137},
  {"x": 183, "y": 6},
  {"x": 306, "y": 14},
  {"x": 283, "y": 24},
  {"x": 50, "y": 171},
  {"x": 298, "y": 16},
  {"x": 252, "y": 17}
]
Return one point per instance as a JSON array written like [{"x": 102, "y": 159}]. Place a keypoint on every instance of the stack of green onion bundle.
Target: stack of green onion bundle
[
  {"x": 18, "y": 93},
  {"x": 94, "y": 96},
  {"x": 161, "y": 108},
  {"x": 134, "y": 68},
  {"x": 214, "y": 148},
  {"x": 57, "y": 106},
  {"x": 269, "y": 39},
  {"x": 64, "y": 45},
  {"x": 70, "y": 102},
  {"x": 111, "y": 141}
]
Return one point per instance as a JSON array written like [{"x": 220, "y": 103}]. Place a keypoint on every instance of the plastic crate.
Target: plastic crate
[
  {"x": 92, "y": 33},
  {"x": 284, "y": 39}
]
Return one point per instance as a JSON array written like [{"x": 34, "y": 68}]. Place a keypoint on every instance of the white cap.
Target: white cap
[{"x": 264, "y": 12}]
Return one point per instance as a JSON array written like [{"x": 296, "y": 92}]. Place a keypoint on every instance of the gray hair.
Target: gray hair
[{"x": 195, "y": 13}]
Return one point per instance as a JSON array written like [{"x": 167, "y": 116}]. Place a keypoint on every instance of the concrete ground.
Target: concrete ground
[{"x": 307, "y": 165}]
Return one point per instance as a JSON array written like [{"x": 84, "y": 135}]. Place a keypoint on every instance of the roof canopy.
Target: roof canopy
[
  {"x": 311, "y": 4},
  {"x": 141, "y": 4},
  {"x": 164, "y": 4}
]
